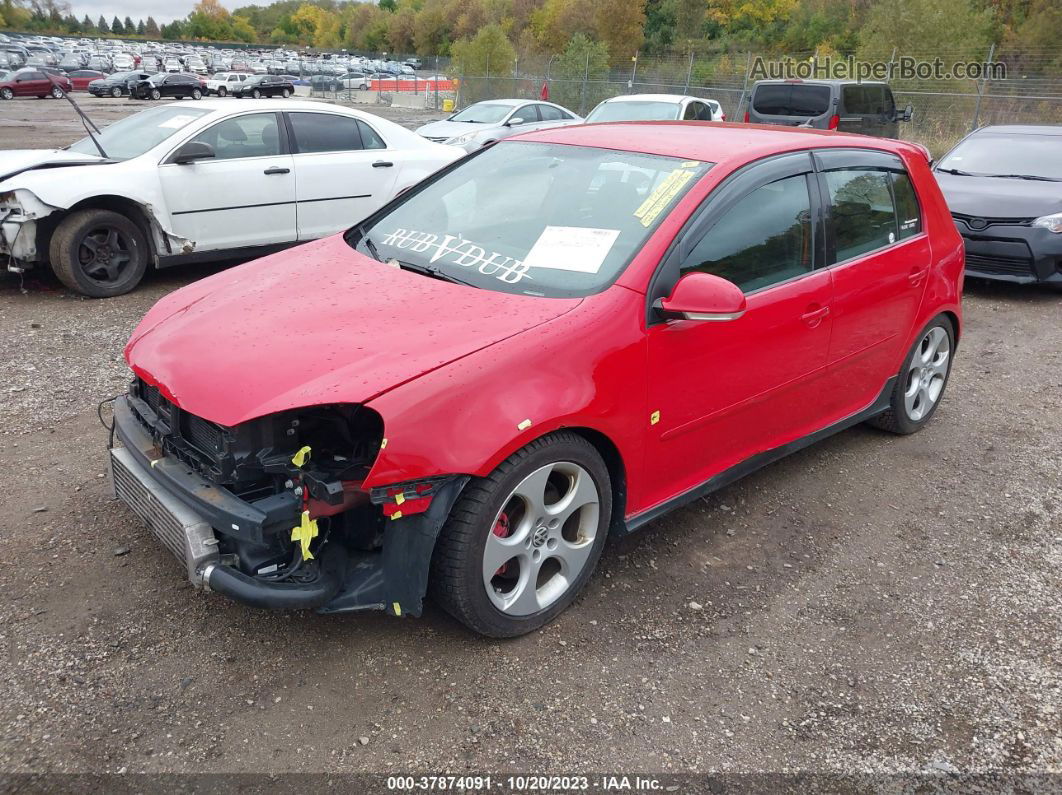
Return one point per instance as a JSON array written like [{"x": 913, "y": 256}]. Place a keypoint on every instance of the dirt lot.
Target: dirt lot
[{"x": 872, "y": 603}]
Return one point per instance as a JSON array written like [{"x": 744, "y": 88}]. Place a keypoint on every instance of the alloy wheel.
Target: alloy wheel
[
  {"x": 927, "y": 374},
  {"x": 103, "y": 254},
  {"x": 6, "y": 93},
  {"x": 57, "y": 92},
  {"x": 542, "y": 538},
  {"x": 116, "y": 92}
]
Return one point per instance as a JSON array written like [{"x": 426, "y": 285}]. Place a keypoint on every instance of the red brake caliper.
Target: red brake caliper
[{"x": 502, "y": 529}]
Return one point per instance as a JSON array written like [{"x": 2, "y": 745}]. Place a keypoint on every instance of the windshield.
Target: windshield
[
  {"x": 255, "y": 79},
  {"x": 483, "y": 113},
  {"x": 993, "y": 155},
  {"x": 533, "y": 219},
  {"x": 786, "y": 99},
  {"x": 136, "y": 134},
  {"x": 634, "y": 111}
]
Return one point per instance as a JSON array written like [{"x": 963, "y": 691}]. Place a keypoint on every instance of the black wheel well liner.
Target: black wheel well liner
[{"x": 617, "y": 473}]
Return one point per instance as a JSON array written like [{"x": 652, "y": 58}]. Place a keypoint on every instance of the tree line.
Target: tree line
[{"x": 617, "y": 29}]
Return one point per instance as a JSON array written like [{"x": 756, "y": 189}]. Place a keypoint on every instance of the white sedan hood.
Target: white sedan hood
[{"x": 16, "y": 161}]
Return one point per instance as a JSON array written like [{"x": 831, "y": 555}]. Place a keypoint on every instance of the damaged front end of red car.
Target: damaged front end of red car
[{"x": 275, "y": 512}]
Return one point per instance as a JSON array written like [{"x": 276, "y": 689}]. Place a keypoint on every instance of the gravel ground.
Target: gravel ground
[{"x": 872, "y": 604}]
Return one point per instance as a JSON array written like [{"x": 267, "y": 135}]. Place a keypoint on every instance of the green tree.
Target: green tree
[
  {"x": 924, "y": 28},
  {"x": 129, "y": 26},
  {"x": 117, "y": 28},
  {"x": 87, "y": 26},
  {"x": 151, "y": 28},
  {"x": 487, "y": 55},
  {"x": 102, "y": 26},
  {"x": 141, "y": 28},
  {"x": 582, "y": 58}
]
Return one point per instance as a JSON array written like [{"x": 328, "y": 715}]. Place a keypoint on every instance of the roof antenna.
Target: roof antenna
[{"x": 85, "y": 120}]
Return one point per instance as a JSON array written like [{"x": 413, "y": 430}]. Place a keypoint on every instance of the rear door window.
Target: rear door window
[
  {"x": 855, "y": 100},
  {"x": 324, "y": 132},
  {"x": 791, "y": 99},
  {"x": 549, "y": 113},
  {"x": 861, "y": 210}
]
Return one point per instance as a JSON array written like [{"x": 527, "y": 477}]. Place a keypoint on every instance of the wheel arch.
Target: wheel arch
[
  {"x": 136, "y": 212},
  {"x": 617, "y": 472}
]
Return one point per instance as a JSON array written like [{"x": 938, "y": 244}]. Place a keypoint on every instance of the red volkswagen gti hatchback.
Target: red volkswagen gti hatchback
[{"x": 558, "y": 338}]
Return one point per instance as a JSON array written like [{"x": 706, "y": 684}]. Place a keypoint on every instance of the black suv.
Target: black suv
[{"x": 847, "y": 105}]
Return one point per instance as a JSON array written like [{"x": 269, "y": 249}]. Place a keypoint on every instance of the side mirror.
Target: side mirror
[
  {"x": 516, "y": 121},
  {"x": 193, "y": 151},
  {"x": 702, "y": 296},
  {"x": 908, "y": 113}
]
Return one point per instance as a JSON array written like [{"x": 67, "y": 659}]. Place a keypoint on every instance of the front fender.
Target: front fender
[{"x": 585, "y": 369}]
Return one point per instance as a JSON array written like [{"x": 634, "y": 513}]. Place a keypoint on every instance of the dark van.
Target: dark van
[{"x": 847, "y": 105}]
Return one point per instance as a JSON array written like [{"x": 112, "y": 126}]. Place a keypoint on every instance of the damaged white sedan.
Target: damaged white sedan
[{"x": 211, "y": 181}]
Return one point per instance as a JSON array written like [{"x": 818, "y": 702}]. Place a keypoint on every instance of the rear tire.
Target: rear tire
[
  {"x": 98, "y": 253},
  {"x": 534, "y": 553},
  {"x": 921, "y": 381},
  {"x": 116, "y": 92},
  {"x": 256, "y": 94},
  {"x": 222, "y": 91},
  {"x": 197, "y": 94},
  {"x": 285, "y": 93},
  {"x": 57, "y": 93}
]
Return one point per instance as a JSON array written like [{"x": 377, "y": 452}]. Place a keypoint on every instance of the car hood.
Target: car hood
[
  {"x": 993, "y": 197},
  {"x": 451, "y": 129},
  {"x": 313, "y": 325},
  {"x": 16, "y": 161}
]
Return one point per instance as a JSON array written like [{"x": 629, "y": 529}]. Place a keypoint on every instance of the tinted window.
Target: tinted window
[
  {"x": 764, "y": 239},
  {"x": 693, "y": 111},
  {"x": 527, "y": 113},
  {"x": 369, "y": 138},
  {"x": 908, "y": 213},
  {"x": 31, "y": 76},
  {"x": 549, "y": 113},
  {"x": 855, "y": 100},
  {"x": 256, "y": 135},
  {"x": 870, "y": 100},
  {"x": 861, "y": 211},
  {"x": 325, "y": 132},
  {"x": 787, "y": 99}
]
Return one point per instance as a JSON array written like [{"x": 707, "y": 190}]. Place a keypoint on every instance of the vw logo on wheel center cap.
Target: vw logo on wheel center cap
[{"x": 540, "y": 535}]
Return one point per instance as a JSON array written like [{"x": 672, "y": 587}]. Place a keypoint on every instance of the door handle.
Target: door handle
[
  {"x": 815, "y": 316},
  {"x": 382, "y": 164},
  {"x": 916, "y": 276},
  {"x": 277, "y": 170}
]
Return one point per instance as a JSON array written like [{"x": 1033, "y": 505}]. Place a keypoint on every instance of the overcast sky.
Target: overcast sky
[{"x": 162, "y": 10}]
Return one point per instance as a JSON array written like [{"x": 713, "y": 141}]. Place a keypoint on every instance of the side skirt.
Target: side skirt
[
  {"x": 758, "y": 461},
  {"x": 224, "y": 254}
]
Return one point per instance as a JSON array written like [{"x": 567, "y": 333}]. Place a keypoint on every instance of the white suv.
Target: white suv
[{"x": 223, "y": 82}]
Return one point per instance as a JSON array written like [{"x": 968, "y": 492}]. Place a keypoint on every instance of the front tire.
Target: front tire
[
  {"x": 98, "y": 253},
  {"x": 156, "y": 94},
  {"x": 921, "y": 381},
  {"x": 522, "y": 542},
  {"x": 6, "y": 93}
]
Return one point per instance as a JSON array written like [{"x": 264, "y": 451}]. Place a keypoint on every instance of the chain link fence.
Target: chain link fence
[{"x": 945, "y": 107}]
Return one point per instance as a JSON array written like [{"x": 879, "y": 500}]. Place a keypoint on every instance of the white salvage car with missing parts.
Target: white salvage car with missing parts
[{"x": 206, "y": 181}]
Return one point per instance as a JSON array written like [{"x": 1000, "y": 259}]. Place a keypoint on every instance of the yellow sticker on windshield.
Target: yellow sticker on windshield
[{"x": 662, "y": 196}]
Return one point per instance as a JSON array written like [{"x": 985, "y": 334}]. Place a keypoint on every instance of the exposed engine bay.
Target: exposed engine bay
[{"x": 280, "y": 515}]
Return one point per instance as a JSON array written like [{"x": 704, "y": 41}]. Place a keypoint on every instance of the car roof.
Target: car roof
[
  {"x": 505, "y": 101},
  {"x": 676, "y": 98},
  {"x": 1021, "y": 129},
  {"x": 714, "y": 143}
]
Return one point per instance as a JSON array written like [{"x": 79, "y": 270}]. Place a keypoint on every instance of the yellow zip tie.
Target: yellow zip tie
[
  {"x": 397, "y": 608},
  {"x": 301, "y": 457},
  {"x": 305, "y": 533},
  {"x": 654, "y": 418},
  {"x": 523, "y": 426},
  {"x": 396, "y": 515},
  {"x": 400, "y": 498}
]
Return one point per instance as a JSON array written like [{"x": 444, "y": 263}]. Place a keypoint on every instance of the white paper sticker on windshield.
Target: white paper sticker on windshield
[
  {"x": 571, "y": 248},
  {"x": 175, "y": 122}
]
